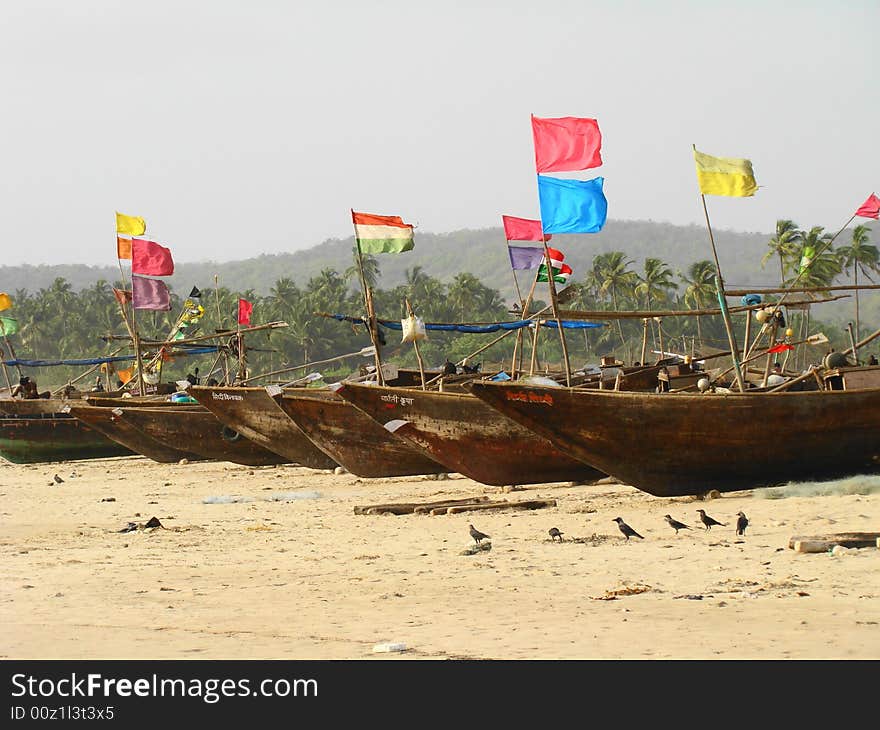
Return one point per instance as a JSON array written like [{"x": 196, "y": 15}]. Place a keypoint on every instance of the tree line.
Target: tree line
[{"x": 57, "y": 322}]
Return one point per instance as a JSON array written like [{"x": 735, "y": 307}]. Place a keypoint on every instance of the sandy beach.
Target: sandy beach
[{"x": 273, "y": 563}]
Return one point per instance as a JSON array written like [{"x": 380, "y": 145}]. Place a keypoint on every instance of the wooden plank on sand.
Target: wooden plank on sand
[
  {"x": 529, "y": 504},
  {"x": 824, "y": 543}
]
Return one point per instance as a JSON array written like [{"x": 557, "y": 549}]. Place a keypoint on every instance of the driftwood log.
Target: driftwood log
[
  {"x": 402, "y": 508},
  {"x": 824, "y": 543},
  {"x": 451, "y": 506}
]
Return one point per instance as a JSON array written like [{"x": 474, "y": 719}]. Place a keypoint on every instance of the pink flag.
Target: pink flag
[
  {"x": 150, "y": 294},
  {"x": 150, "y": 258},
  {"x": 244, "y": 311},
  {"x": 870, "y": 208},
  {"x": 522, "y": 229},
  {"x": 566, "y": 143}
]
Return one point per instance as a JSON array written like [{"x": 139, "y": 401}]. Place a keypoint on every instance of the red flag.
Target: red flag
[
  {"x": 522, "y": 229},
  {"x": 870, "y": 208},
  {"x": 244, "y": 311},
  {"x": 566, "y": 143},
  {"x": 781, "y": 347},
  {"x": 150, "y": 258}
]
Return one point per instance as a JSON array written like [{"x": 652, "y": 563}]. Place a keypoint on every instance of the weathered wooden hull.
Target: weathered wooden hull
[
  {"x": 198, "y": 430},
  {"x": 352, "y": 438},
  {"x": 103, "y": 420},
  {"x": 255, "y": 414},
  {"x": 53, "y": 437},
  {"x": 467, "y": 436},
  {"x": 679, "y": 444}
]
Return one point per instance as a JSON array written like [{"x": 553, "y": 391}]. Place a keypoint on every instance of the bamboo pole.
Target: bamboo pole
[
  {"x": 853, "y": 347},
  {"x": 517, "y": 366},
  {"x": 800, "y": 290},
  {"x": 645, "y": 321},
  {"x": 409, "y": 312}
]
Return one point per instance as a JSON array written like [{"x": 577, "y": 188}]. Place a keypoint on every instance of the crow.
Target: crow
[
  {"x": 675, "y": 524},
  {"x": 554, "y": 533},
  {"x": 709, "y": 521},
  {"x": 741, "y": 523},
  {"x": 477, "y": 535},
  {"x": 58, "y": 479},
  {"x": 626, "y": 529}
]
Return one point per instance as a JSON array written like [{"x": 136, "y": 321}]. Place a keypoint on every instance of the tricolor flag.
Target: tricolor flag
[
  {"x": 381, "y": 233},
  {"x": 729, "y": 176},
  {"x": 566, "y": 144},
  {"x": 561, "y": 271},
  {"x": 870, "y": 208},
  {"x": 132, "y": 225}
]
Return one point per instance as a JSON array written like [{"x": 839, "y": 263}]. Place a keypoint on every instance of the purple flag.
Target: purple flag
[
  {"x": 149, "y": 294},
  {"x": 525, "y": 257}
]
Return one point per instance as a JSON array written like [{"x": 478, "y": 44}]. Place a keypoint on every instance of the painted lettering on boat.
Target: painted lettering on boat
[
  {"x": 226, "y": 396},
  {"x": 544, "y": 398},
  {"x": 394, "y": 398}
]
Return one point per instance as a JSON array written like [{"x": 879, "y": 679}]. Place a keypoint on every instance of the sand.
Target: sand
[{"x": 273, "y": 563}]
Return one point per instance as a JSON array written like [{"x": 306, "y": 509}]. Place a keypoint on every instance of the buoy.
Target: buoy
[
  {"x": 703, "y": 385},
  {"x": 761, "y": 315},
  {"x": 789, "y": 332}
]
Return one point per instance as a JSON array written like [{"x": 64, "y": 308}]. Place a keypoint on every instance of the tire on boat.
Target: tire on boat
[{"x": 230, "y": 434}]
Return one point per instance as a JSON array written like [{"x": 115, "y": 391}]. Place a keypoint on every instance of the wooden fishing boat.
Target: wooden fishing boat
[
  {"x": 33, "y": 431},
  {"x": 253, "y": 413},
  {"x": 103, "y": 420},
  {"x": 676, "y": 444},
  {"x": 196, "y": 429},
  {"x": 467, "y": 436},
  {"x": 351, "y": 438}
]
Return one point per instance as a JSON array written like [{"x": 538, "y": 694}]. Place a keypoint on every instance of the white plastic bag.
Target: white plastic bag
[{"x": 413, "y": 329}]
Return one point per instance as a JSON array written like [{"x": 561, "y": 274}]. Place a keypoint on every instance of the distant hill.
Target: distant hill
[{"x": 480, "y": 252}]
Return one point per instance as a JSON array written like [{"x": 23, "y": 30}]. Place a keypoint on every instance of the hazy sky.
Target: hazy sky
[{"x": 238, "y": 128}]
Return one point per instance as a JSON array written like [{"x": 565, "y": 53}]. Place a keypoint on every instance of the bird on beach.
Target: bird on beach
[
  {"x": 477, "y": 535},
  {"x": 741, "y": 523},
  {"x": 554, "y": 533},
  {"x": 709, "y": 521},
  {"x": 58, "y": 479},
  {"x": 626, "y": 529},
  {"x": 675, "y": 524}
]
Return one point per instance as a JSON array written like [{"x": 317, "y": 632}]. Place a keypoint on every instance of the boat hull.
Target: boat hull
[
  {"x": 53, "y": 437},
  {"x": 255, "y": 414},
  {"x": 681, "y": 444},
  {"x": 103, "y": 420},
  {"x": 199, "y": 431},
  {"x": 352, "y": 438},
  {"x": 467, "y": 436}
]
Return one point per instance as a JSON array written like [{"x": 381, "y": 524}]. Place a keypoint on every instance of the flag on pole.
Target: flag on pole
[
  {"x": 5, "y": 301},
  {"x": 572, "y": 206},
  {"x": 561, "y": 271},
  {"x": 525, "y": 257},
  {"x": 123, "y": 248},
  {"x": 522, "y": 229},
  {"x": 8, "y": 326},
  {"x": 781, "y": 347},
  {"x": 150, "y": 294},
  {"x": 566, "y": 144},
  {"x": 133, "y": 225},
  {"x": 725, "y": 176},
  {"x": 244, "y": 311},
  {"x": 122, "y": 296},
  {"x": 806, "y": 258},
  {"x": 870, "y": 208},
  {"x": 148, "y": 257},
  {"x": 382, "y": 233}
]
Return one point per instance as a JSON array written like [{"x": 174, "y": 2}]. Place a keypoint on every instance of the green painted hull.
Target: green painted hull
[{"x": 53, "y": 437}]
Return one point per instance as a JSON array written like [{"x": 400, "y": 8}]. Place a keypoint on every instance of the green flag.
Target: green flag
[{"x": 8, "y": 326}]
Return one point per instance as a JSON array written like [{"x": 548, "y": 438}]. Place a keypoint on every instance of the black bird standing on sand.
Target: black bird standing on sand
[
  {"x": 741, "y": 523},
  {"x": 709, "y": 521},
  {"x": 58, "y": 479},
  {"x": 675, "y": 524},
  {"x": 554, "y": 533},
  {"x": 626, "y": 529},
  {"x": 477, "y": 535}
]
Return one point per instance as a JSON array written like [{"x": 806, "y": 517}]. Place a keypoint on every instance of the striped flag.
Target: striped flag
[
  {"x": 561, "y": 271},
  {"x": 382, "y": 233}
]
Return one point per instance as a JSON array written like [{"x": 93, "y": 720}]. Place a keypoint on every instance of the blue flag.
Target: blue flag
[{"x": 572, "y": 206}]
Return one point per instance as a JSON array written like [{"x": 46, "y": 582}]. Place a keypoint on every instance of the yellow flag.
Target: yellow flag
[
  {"x": 725, "y": 176},
  {"x": 5, "y": 301},
  {"x": 130, "y": 224}
]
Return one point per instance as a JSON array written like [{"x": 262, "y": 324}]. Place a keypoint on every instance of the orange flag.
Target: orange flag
[{"x": 123, "y": 248}]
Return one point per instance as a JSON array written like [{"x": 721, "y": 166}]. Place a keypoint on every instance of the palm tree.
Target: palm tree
[
  {"x": 784, "y": 245},
  {"x": 611, "y": 275},
  {"x": 860, "y": 255},
  {"x": 656, "y": 282},
  {"x": 700, "y": 289},
  {"x": 819, "y": 264},
  {"x": 370, "y": 269}
]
